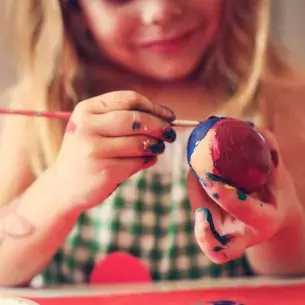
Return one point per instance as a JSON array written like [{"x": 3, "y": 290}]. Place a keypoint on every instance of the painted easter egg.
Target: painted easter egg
[{"x": 231, "y": 150}]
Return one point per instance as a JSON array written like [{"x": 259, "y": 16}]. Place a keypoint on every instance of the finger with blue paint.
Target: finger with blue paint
[
  {"x": 246, "y": 208},
  {"x": 220, "y": 248},
  {"x": 220, "y": 236}
]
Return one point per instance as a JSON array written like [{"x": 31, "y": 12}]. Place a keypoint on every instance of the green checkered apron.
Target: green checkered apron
[{"x": 149, "y": 217}]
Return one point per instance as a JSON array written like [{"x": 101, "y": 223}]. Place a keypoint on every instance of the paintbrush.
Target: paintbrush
[{"x": 61, "y": 115}]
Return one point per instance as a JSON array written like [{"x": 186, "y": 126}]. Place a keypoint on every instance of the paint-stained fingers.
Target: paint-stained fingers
[
  {"x": 16, "y": 226},
  {"x": 211, "y": 234},
  {"x": 246, "y": 208},
  {"x": 124, "y": 123},
  {"x": 219, "y": 248},
  {"x": 122, "y": 100},
  {"x": 123, "y": 147}
]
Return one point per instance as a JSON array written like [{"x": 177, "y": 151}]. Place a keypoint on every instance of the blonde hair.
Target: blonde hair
[{"x": 51, "y": 69}]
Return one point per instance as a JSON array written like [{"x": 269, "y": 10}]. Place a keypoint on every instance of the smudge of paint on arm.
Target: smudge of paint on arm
[
  {"x": 12, "y": 224},
  {"x": 223, "y": 239},
  {"x": 71, "y": 127}
]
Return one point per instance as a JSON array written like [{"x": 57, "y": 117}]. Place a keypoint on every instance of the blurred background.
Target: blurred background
[{"x": 288, "y": 28}]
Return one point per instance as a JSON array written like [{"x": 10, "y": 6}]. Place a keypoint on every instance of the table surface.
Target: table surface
[{"x": 80, "y": 290}]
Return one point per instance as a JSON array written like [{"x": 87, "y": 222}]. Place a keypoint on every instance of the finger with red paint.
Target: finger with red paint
[{"x": 108, "y": 139}]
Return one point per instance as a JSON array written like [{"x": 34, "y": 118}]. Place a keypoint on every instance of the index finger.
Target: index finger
[{"x": 125, "y": 100}]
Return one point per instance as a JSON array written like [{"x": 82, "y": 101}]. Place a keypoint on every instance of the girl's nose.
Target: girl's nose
[{"x": 161, "y": 12}]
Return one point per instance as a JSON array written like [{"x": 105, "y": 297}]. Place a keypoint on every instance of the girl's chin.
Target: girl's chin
[{"x": 170, "y": 74}]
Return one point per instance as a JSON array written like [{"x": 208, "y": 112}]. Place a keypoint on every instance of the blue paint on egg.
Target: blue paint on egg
[{"x": 199, "y": 133}]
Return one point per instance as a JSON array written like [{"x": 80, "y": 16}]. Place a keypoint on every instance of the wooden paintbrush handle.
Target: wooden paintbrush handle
[{"x": 66, "y": 116}]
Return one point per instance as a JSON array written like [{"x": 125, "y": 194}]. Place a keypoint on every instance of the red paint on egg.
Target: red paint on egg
[{"x": 240, "y": 155}]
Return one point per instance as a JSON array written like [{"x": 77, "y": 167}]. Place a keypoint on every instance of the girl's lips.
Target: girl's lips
[{"x": 169, "y": 45}]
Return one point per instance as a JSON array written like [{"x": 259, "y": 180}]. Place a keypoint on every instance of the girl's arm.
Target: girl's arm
[
  {"x": 47, "y": 221},
  {"x": 284, "y": 253}
]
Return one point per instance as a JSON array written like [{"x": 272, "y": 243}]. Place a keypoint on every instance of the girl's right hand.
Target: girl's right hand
[{"x": 108, "y": 139}]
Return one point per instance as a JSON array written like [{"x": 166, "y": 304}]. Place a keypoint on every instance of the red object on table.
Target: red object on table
[
  {"x": 119, "y": 267},
  {"x": 284, "y": 295}
]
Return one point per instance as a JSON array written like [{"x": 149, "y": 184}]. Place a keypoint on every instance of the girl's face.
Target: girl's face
[{"x": 160, "y": 39}]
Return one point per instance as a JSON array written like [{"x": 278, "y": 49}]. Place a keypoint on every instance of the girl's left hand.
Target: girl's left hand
[{"x": 227, "y": 222}]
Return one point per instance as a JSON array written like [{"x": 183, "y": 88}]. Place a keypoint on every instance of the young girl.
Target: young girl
[{"x": 105, "y": 182}]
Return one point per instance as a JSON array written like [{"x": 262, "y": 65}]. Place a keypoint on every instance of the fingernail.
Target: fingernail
[
  {"x": 200, "y": 215},
  {"x": 156, "y": 148},
  {"x": 274, "y": 157},
  {"x": 169, "y": 112},
  {"x": 169, "y": 134},
  {"x": 212, "y": 117},
  {"x": 202, "y": 210},
  {"x": 250, "y": 123},
  {"x": 148, "y": 161}
]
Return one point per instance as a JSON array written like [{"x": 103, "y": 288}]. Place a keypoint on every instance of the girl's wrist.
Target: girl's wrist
[{"x": 63, "y": 201}]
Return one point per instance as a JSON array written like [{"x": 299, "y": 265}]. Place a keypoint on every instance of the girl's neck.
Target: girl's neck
[
  {"x": 112, "y": 77},
  {"x": 187, "y": 97}
]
